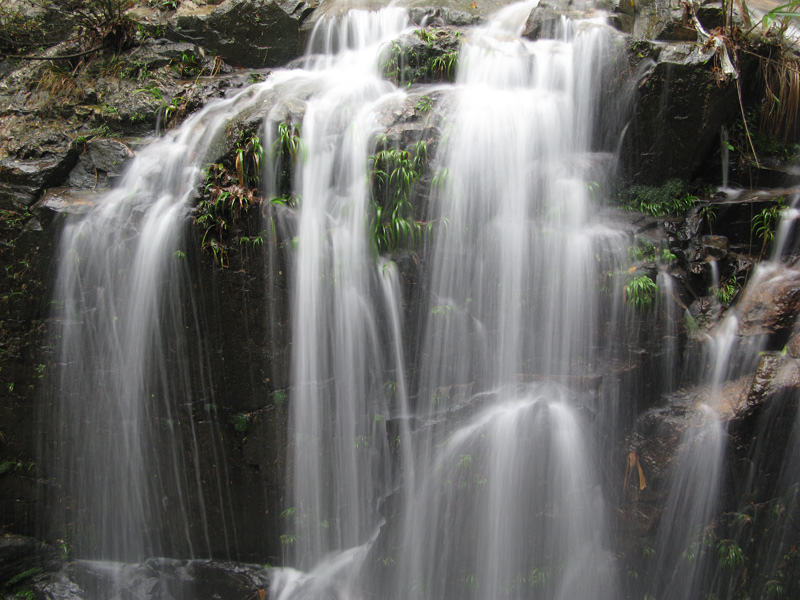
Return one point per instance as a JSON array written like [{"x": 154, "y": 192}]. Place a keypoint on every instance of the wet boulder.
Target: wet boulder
[
  {"x": 714, "y": 247},
  {"x": 35, "y": 154},
  {"x": 23, "y": 181},
  {"x": 101, "y": 161},
  {"x": 441, "y": 17},
  {"x": 156, "y": 53},
  {"x": 460, "y": 13}
]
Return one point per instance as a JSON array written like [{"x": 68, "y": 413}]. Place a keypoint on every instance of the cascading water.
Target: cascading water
[
  {"x": 506, "y": 503},
  {"x": 123, "y": 345},
  {"x": 682, "y": 542},
  {"x": 126, "y": 443},
  {"x": 691, "y": 559},
  {"x": 455, "y": 453}
]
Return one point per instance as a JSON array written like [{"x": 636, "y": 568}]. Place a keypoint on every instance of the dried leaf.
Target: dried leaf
[
  {"x": 239, "y": 167},
  {"x": 633, "y": 463},
  {"x": 629, "y": 469},
  {"x": 642, "y": 482}
]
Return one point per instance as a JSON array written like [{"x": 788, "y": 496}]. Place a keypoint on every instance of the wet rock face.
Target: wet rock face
[
  {"x": 739, "y": 403},
  {"x": 772, "y": 306},
  {"x": 681, "y": 107},
  {"x": 655, "y": 441},
  {"x": 547, "y": 15},
  {"x": 247, "y": 33}
]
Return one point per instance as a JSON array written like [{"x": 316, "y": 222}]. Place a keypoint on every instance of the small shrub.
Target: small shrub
[
  {"x": 766, "y": 222},
  {"x": 641, "y": 292},
  {"x": 670, "y": 198},
  {"x": 241, "y": 422},
  {"x": 18, "y": 31},
  {"x": 726, "y": 291},
  {"x": 103, "y": 23}
]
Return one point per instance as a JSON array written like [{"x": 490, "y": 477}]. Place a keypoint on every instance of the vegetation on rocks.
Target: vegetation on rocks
[
  {"x": 227, "y": 198},
  {"x": 428, "y": 55}
]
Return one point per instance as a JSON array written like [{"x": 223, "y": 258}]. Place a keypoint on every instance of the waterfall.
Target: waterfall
[{"x": 450, "y": 444}]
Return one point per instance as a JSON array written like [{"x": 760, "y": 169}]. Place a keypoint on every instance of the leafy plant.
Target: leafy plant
[
  {"x": 165, "y": 5},
  {"x": 391, "y": 58},
  {"x": 249, "y": 159},
  {"x": 726, "y": 290},
  {"x": 241, "y": 422},
  {"x": 445, "y": 65},
  {"x": 255, "y": 242},
  {"x": 289, "y": 143},
  {"x": 287, "y": 149},
  {"x": 730, "y": 554},
  {"x": 394, "y": 175},
  {"x": 424, "y": 104},
  {"x": 426, "y": 35},
  {"x": 407, "y": 63},
  {"x": 25, "y": 575},
  {"x": 279, "y": 398},
  {"x": 440, "y": 177},
  {"x": 188, "y": 65},
  {"x": 386, "y": 561},
  {"x": 170, "y": 109},
  {"x": 641, "y": 291},
  {"x": 18, "y": 31},
  {"x": 288, "y": 200},
  {"x": 668, "y": 199},
  {"x": 223, "y": 202},
  {"x": 667, "y": 256},
  {"x": 782, "y": 15},
  {"x": 709, "y": 215},
  {"x": 764, "y": 223},
  {"x": 441, "y": 311},
  {"x": 103, "y": 23},
  {"x": 643, "y": 251}
]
